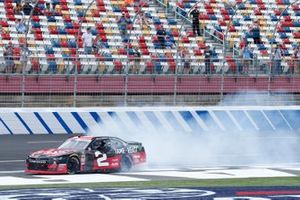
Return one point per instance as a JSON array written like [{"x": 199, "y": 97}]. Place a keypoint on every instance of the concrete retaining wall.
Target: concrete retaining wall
[{"x": 186, "y": 119}]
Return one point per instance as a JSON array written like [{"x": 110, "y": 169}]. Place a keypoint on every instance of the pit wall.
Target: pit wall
[{"x": 185, "y": 119}]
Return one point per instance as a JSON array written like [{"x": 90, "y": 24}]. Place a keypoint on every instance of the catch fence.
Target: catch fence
[{"x": 107, "y": 81}]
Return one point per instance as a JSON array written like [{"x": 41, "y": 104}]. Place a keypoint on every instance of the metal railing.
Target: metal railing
[{"x": 157, "y": 64}]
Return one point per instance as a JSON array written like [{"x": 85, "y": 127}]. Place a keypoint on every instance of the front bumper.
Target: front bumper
[{"x": 34, "y": 168}]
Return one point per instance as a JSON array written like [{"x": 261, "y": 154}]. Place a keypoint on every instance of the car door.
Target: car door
[{"x": 100, "y": 155}]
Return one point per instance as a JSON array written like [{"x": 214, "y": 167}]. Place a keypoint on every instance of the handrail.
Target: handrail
[{"x": 190, "y": 22}]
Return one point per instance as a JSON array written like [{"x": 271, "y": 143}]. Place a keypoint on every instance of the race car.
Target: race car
[{"x": 87, "y": 154}]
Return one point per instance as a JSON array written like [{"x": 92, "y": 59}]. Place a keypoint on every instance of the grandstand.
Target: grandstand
[{"x": 57, "y": 70}]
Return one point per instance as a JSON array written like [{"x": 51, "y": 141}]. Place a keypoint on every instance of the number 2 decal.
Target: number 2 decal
[{"x": 101, "y": 160}]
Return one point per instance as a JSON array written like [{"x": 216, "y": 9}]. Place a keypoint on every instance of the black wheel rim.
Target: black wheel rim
[{"x": 72, "y": 165}]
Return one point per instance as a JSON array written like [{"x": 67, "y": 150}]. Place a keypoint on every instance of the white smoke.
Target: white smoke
[{"x": 176, "y": 149}]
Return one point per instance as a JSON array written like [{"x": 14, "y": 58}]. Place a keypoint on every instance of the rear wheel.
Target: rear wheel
[
  {"x": 73, "y": 165},
  {"x": 126, "y": 164}
]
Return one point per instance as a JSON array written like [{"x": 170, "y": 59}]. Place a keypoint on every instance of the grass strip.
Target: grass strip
[{"x": 236, "y": 182}]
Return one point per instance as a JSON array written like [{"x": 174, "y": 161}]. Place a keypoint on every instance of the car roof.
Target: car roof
[{"x": 90, "y": 138}]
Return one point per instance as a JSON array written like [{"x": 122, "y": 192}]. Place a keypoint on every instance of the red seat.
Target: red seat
[
  {"x": 95, "y": 13},
  {"x": 143, "y": 46},
  {"x": 64, "y": 44},
  {"x": 100, "y": 3},
  {"x": 185, "y": 39},
  {"x": 145, "y": 51},
  {"x": 101, "y": 9},
  {"x": 35, "y": 18},
  {"x": 5, "y": 36},
  {"x": 296, "y": 35},
  {"x": 50, "y": 56},
  {"x": 175, "y": 33},
  {"x": 11, "y": 17},
  {"x": 71, "y": 31},
  {"x": 53, "y": 30},
  {"x": 122, "y": 51},
  {"x": 64, "y": 7},
  {"x": 4, "y": 23},
  {"x": 142, "y": 39},
  {"x": 38, "y": 36}
]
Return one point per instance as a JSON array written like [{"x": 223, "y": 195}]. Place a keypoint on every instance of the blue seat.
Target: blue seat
[
  {"x": 187, "y": 5},
  {"x": 61, "y": 31},
  {"x": 35, "y": 24},
  {"x": 72, "y": 43},
  {"x": 55, "y": 43},
  {"x": 80, "y": 13},
  {"x": 49, "y": 50},
  {"x": 283, "y": 35},
  {"x": 261, "y": 47},
  {"x": 213, "y": 17},
  {"x": 297, "y": 24},
  {"x": 78, "y": 2},
  {"x": 172, "y": 21},
  {"x": 156, "y": 21},
  {"x": 69, "y": 25},
  {"x": 116, "y": 9},
  {"x": 51, "y": 18},
  {"x": 94, "y": 31},
  {"x": 274, "y": 18}
]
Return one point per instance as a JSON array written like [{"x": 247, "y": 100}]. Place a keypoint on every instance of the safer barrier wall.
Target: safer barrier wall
[{"x": 186, "y": 119}]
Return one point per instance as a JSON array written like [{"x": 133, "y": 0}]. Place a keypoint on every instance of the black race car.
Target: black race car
[{"x": 87, "y": 154}]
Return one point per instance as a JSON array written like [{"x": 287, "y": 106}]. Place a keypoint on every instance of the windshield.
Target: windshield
[{"x": 74, "y": 144}]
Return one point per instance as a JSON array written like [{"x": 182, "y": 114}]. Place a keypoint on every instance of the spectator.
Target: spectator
[
  {"x": 24, "y": 54},
  {"x": 247, "y": 59},
  {"x": 9, "y": 58},
  {"x": 195, "y": 18},
  {"x": 278, "y": 53},
  {"x": 161, "y": 34},
  {"x": 123, "y": 22},
  {"x": 18, "y": 10},
  {"x": 256, "y": 33},
  {"x": 207, "y": 59},
  {"x": 27, "y": 8},
  {"x": 185, "y": 60},
  {"x": 214, "y": 55},
  {"x": 20, "y": 26},
  {"x": 37, "y": 10},
  {"x": 142, "y": 20},
  {"x": 99, "y": 44},
  {"x": 296, "y": 57},
  {"x": 170, "y": 42},
  {"x": 88, "y": 41},
  {"x": 48, "y": 11},
  {"x": 137, "y": 60}
]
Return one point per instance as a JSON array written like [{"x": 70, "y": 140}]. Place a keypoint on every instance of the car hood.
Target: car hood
[{"x": 52, "y": 152}]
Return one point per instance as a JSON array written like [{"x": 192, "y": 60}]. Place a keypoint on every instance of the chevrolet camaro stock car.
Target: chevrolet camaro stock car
[{"x": 87, "y": 154}]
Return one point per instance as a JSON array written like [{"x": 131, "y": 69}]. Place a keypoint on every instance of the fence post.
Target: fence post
[{"x": 23, "y": 86}]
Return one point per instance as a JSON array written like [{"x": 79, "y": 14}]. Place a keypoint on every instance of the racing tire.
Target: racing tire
[
  {"x": 73, "y": 165},
  {"x": 126, "y": 164}
]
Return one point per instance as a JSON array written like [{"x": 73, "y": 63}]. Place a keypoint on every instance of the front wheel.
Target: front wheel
[
  {"x": 126, "y": 164},
  {"x": 73, "y": 165}
]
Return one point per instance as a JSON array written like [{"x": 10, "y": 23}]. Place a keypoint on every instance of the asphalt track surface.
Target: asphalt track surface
[{"x": 15, "y": 148}]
